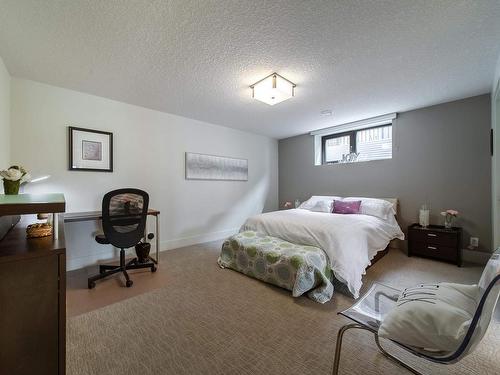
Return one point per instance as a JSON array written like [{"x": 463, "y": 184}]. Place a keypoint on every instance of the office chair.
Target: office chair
[{"x": 124, "y": 214}]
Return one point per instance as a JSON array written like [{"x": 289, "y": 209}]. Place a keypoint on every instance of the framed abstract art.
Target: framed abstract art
[
  {"x": 211, "y": 167},
  {"x": 90, "y": 150}
]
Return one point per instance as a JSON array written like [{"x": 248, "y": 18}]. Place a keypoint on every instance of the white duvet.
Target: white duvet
[{"x": 350, "y": 241}]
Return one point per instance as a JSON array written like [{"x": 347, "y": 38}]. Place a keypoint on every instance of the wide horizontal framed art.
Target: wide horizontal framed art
[
  {"x": 211, "y": 167},
  {"x": 90, "y": 150}
]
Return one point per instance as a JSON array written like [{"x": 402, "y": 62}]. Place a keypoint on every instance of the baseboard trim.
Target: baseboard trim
[
  {"x": 109, "y": 254},
  {"x": 468, "y": 256},
  {"x": 475, "y": 256},
  {"x": 193, "y": 240}
]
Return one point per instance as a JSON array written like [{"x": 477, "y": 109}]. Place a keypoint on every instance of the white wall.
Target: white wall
[
  {"x": 4, "y": 118},
  {"x": 149, "y": 149}
]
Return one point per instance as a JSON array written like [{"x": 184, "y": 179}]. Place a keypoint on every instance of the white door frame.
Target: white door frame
[{"x": 495, "y": 177}]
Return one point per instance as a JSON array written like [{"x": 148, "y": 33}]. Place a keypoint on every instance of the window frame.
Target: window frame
[{"x": 352, "y": 142}]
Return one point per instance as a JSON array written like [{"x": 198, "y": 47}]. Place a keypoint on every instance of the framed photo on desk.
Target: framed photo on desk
[{"x": 90, "y": 150}]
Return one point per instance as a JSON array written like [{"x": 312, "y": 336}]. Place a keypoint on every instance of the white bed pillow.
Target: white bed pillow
[
  {"x": 311, "y": 202},
  {"x": 374, "y": 207},
  {"x": 432, "y": 316},
  {"x": 322, "y": 206}
]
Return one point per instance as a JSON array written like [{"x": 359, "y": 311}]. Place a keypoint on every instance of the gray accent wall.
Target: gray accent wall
[{"x": 441, "y": 156}]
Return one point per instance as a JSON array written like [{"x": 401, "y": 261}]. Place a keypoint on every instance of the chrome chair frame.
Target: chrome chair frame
[{"x": 338, "y": 348}]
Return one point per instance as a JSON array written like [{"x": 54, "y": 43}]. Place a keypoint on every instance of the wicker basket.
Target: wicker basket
[{"x": 38, "y": 230}]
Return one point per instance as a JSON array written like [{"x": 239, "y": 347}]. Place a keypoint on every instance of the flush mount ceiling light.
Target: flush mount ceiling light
[{"x": 273, "y": 89}]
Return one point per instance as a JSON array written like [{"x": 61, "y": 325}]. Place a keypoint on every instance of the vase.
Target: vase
[
  {"x": 11, "y": 187},
  {"x": 142, "y": 250}
]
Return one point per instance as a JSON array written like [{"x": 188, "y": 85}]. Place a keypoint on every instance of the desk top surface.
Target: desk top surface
[
  {"x": 21, "y": 204},
  {"x": 70, "y": 217}
]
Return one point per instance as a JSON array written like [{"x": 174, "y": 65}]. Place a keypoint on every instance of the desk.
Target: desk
[
  {"x": 33, "y": 290},
  {"x": 72, "y": 217}
]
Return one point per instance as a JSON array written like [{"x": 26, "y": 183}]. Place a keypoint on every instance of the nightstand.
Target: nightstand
[{"x": 436, "y": 242}]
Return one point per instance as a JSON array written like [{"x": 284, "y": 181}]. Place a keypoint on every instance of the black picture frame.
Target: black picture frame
[{"x": 71, "y": 129}]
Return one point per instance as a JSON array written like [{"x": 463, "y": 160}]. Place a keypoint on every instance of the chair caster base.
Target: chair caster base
[{"x": 106, "y": 270}]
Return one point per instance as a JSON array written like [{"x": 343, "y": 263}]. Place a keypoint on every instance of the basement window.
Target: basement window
[
  {"x": 358, "y": 145},
  {"x": 364, "y": 140}
]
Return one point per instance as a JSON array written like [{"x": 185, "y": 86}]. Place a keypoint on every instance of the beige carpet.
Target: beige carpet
[{"x": 207, "y": 320}]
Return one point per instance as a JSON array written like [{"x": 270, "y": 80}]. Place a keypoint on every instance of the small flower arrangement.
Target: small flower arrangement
[
  {"x": 13, "y": 178},
  {"x": 449, "y": 216}
]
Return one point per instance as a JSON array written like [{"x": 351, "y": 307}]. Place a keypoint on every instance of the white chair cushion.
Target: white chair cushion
[{"x": 432, "y": 316}]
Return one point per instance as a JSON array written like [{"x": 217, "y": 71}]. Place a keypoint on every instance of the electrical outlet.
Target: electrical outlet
[{"x": 474, "y": 241}]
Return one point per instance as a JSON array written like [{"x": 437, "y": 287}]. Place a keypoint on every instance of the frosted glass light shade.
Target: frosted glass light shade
[{"x": 273, "y": 89}]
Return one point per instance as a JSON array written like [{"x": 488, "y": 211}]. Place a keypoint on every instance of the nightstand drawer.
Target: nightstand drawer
[
  {"x": 435, "y": 238},
  {"x": 435, "y": 251}
]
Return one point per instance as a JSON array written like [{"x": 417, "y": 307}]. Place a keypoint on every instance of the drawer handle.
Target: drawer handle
[
  {"x": 432, "y": 248},
  {"x": 432, "y": 235}
]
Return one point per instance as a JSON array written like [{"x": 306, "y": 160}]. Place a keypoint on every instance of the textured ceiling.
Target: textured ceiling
[{"x": 197, "y": 58}]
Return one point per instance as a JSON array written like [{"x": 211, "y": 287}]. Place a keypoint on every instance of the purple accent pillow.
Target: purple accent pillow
[{"x": 346, "y": 207}]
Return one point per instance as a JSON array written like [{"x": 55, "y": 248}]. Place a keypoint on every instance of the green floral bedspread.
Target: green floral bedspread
[{"x": 298, "y": 268}]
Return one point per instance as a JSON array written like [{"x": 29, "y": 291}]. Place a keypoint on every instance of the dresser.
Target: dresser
[
  {"x": 32, "y": 294},
  {"x": 436, "y": 242}
]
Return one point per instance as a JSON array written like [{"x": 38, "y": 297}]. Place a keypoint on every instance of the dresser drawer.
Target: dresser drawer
[
  {"x": 435, "y": 238},
  {"x": 435, "y": 251}
]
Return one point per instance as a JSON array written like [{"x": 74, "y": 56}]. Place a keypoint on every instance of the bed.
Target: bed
[{"x": 349, "y": 242}]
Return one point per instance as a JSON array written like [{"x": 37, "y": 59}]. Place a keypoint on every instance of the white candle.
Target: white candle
[{"x": 424, "y": 217}]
